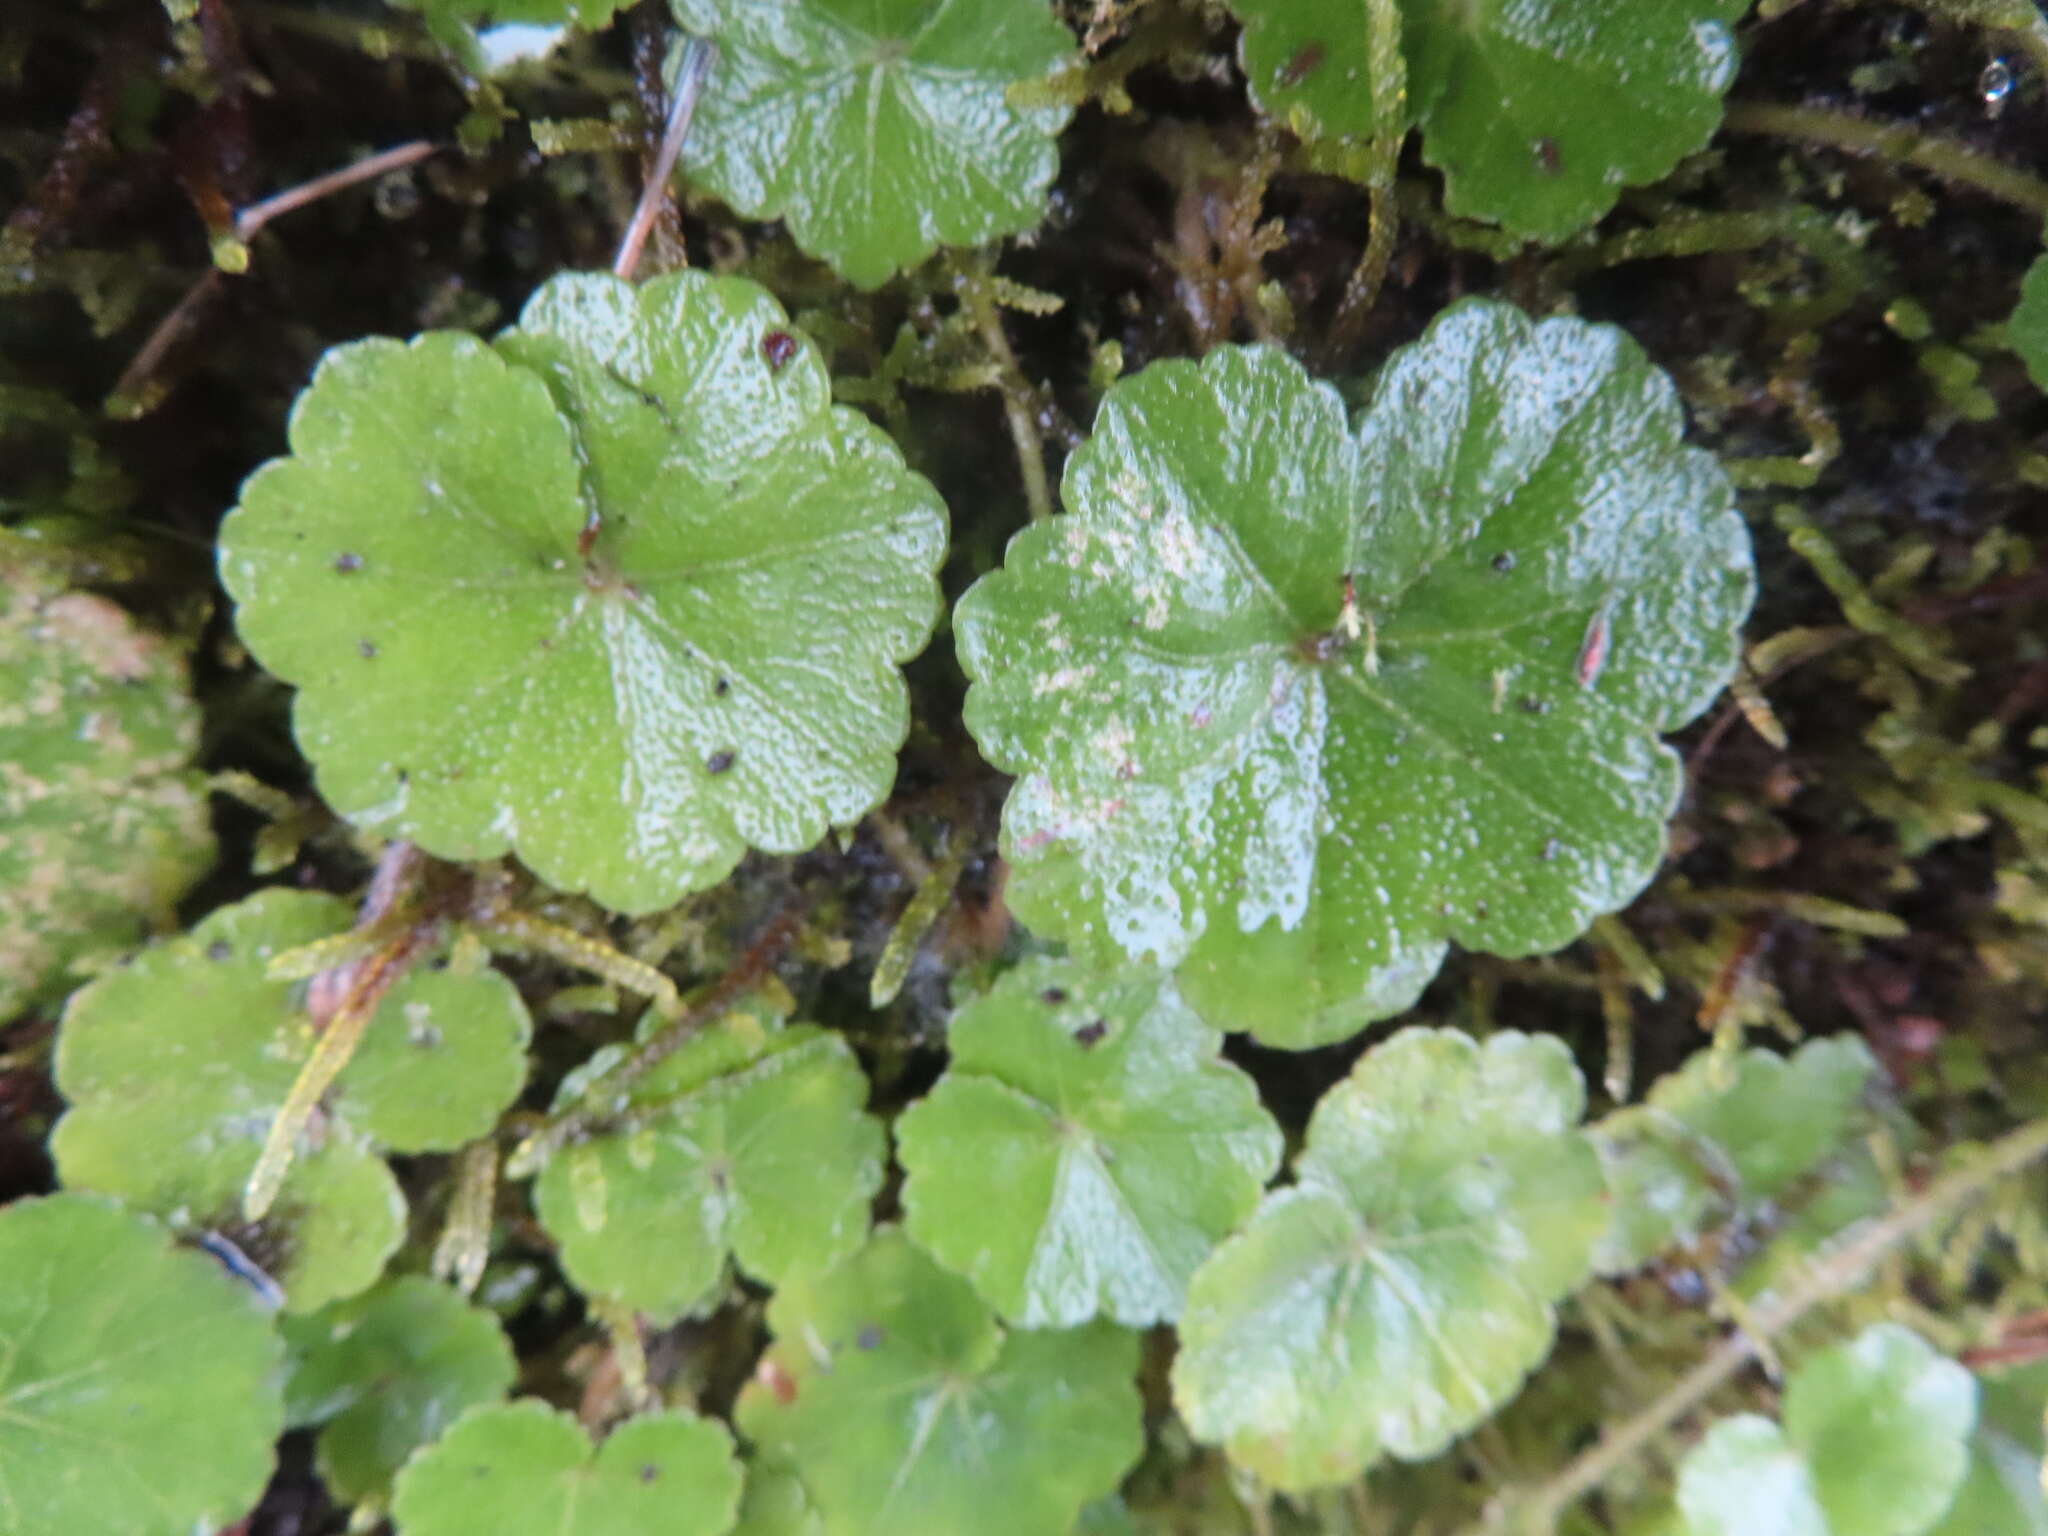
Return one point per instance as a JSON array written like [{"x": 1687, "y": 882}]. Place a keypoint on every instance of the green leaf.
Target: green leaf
[
  {"x": 1770, "y": 1119},
  {"x": 1223, "y": 765},
  {"x": 878, "y": 132},
  {"x": 102, "y": 824},
  {"x": 176, "y": 1064},
  {"x": 1085, "y": 1149},
  {"x": 1538, "y": 115},
  {"x": 904, "y": 1407},
  {"x": 384, "y": 1373},
  {"x": 1400, "y": 1290},
  {"x": 138, "y": 1382},
  {"x": 2001, "y": 1492},
  {"x": 2027, "y": 330},
  {"x": 625, "y": 595},
  {"x": 1873, "y": 1444},
  {"x": 775, "y": 1503},
  {"x": 748, "y": 1142},
  {"x": 525, "y": 1469},
  {"x": 1720, "y": 1133}
]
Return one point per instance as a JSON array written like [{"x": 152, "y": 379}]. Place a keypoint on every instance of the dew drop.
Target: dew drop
[{"x": 1994, "y": 86}]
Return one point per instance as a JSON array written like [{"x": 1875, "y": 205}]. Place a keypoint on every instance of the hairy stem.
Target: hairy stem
[
  {"x": 1390, "y": 115},
  {"x": 1892, "y": 141}
]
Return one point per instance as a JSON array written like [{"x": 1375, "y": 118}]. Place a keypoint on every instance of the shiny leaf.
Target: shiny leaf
[
  {"x": 102, "y": 823},
  {"x": 748, "y": 1143},
  {"x": 138, "y": 1382},
  {"x": 384, "y": 1373},
  {"x": 903, "y": 1406},
  {"x": 877, "y": 132},
  {"x": 176, "y": 1065},
  {"x": 625, "y": 595},
  {"x": 525, "y": 1469},
  {"x": 1225, "y": 764},
  {"x": 1872, "y": 1444},
  {"x": 1537, "y": 114},
  {"x": 1398, "y": 1292},
  {"x": 1085, "y": 1149}
]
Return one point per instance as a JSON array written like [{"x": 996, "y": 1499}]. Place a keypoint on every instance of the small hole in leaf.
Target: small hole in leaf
[
  {"x": 346, "y": 563},
  {"x": 1504, "y": 562},
  {"x": 367, "y": 649},
  {"x": 1052, "y": 997},
  {"x": 220, "y": 949},
  {"x": 869, "y": 1337},
  {"x": 718, "y": 762},
  {"x": 649, "y": 1473},
  {"x": 1088, "y": 1034},
  {"x": 721, "y": 688},
  {"x": 1532, "y": 705}
]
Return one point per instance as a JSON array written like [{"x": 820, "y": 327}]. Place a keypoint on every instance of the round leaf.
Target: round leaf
[
  {"x": 877, "y": 132},
  {"x": 176, "y": 1065},
  {"x": 1874, "y": 1443},
  {"x": 903, "y": 1407},
  {"x": 385, "y": 1373},
  {"x": 1770, "y": 1118},
  {"x": 138, "y": 1382},
  {"x": 1538, "y": 115},
  {"x": 744, "y": 1143},
  {"x": 1086, "y": 1148},
  {"x": 525, "y": 1469},
  {"x": 625, "y": 595},
  {"x": 1663, "y": 1183},
  {"x": 1233, "y": 761},
  {"x": 102, "y": 824},
  {"x": 1398, "y": 1293}
]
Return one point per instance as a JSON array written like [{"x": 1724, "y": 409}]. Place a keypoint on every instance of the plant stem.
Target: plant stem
[
  {"x": 1016, "y": 392},
  {"x": 397, "y": 158},
  {"x": 1892, "y": 141},
  {"x": 1827, "y": 1280},
  {"x": 1389, "y": 101},
  {"x": 698, "y": 56}
]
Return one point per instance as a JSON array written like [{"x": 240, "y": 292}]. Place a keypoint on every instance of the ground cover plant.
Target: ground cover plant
[{"x": 802, "y": 767}]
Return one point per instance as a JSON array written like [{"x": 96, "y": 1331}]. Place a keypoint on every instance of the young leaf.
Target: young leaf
[
  {"x": 1086, "y": 1148},
  {"x": 1720, "y": 1133},
  {"x": 877, "y": 132},
  {"x": 384, "y": 1373},
  {"x": 1873, "y": 1444},
  {"x": 102, "y": 823},
  {"x": 2001, "y": 1493},
  {"x": 1401, "y": 1289},
  {"x": 625, "y": 594},
  {"x": 1285, "y": 699},
  {"x": 1538, "y": 115},
  {"x": 525, "y": 1469},
  {"x": 904, "y": 1407},
  {"x": 747, "y": 1142},
  {"x": 176, "y": 1064},
  {"x": 138, "y": 1382},
  {"x": 2027, "y": 330}
]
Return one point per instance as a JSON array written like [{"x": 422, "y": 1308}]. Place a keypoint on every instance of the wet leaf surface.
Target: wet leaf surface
[
  {"x": 877, "y": 132},
  {"x": 1314, "y": 702},
  {"x": 1401, "y": 1288},
  {"x": 1085, "y": 1149},
  {"x": 620, "y": 595}
]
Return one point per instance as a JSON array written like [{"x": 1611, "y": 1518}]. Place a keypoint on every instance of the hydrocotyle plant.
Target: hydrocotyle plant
[{"x": 1316, "y": 703}]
